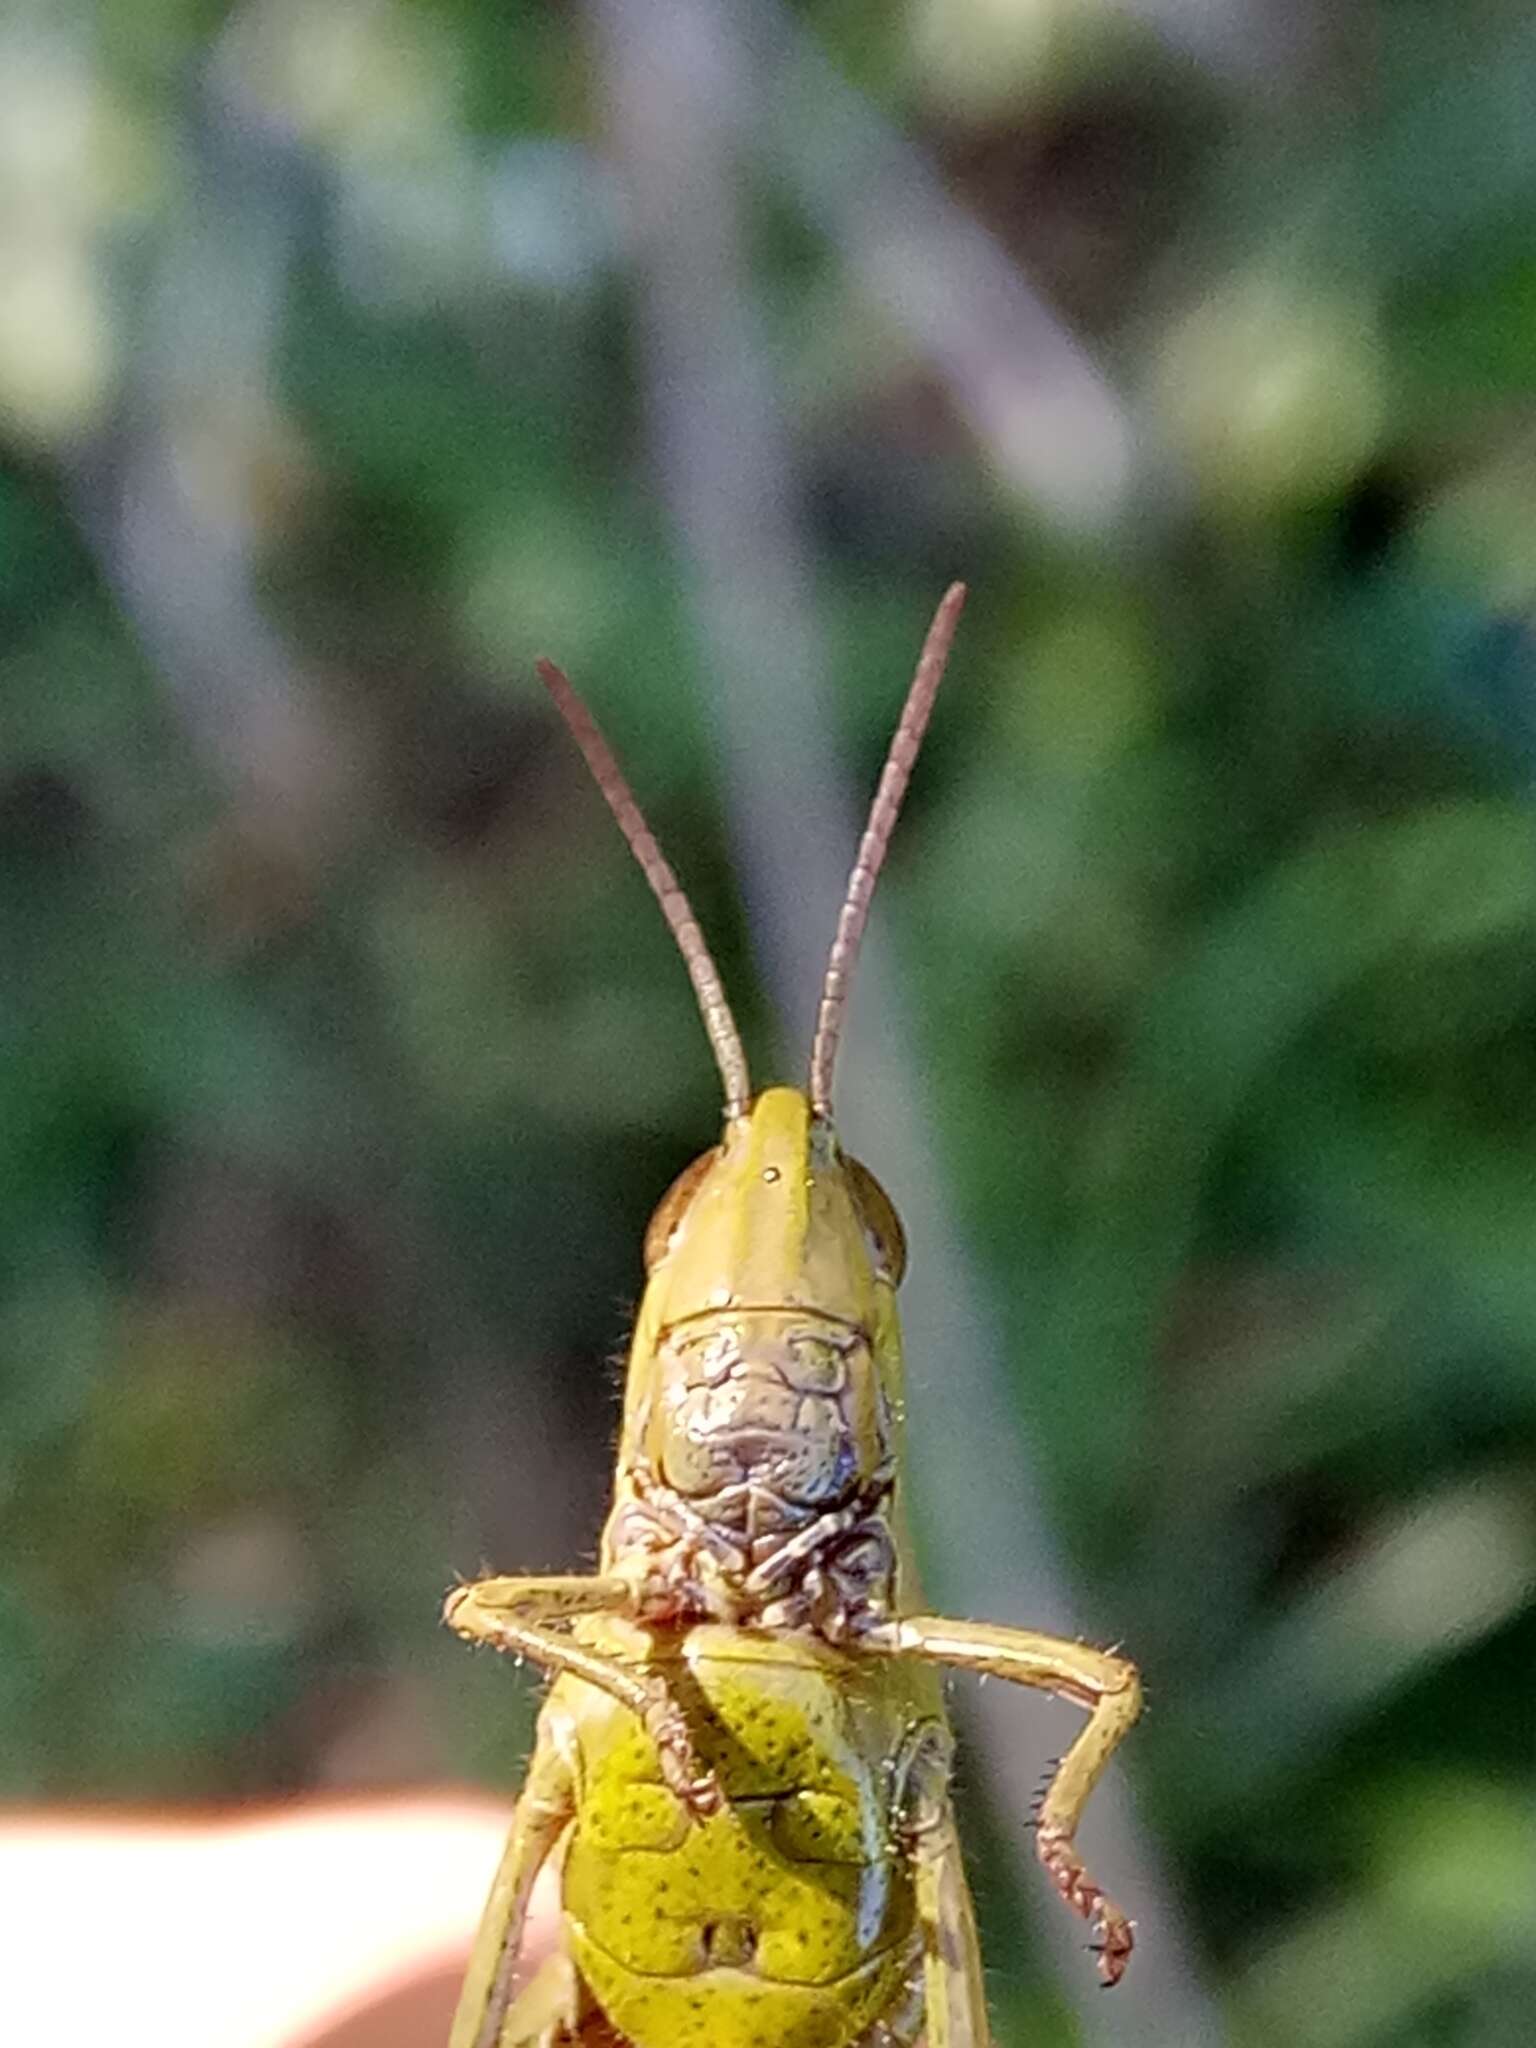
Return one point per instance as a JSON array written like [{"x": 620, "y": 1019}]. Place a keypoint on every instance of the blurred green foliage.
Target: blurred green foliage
[{"x": 342, "y": 1063}]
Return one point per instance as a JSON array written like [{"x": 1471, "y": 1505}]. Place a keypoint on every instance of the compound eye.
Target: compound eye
[
  {"x": 673, "y": 1206},
  {"x": 882, "y": 1226}
]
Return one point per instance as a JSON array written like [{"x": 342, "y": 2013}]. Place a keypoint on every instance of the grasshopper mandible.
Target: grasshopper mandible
[{"x": 741, "y": 1772}]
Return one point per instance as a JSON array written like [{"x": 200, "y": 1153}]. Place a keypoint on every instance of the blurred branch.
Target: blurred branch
[
  {"x": 1046, "y": 417},
  {"x": 672, "y": 75},
  {"x": 1241, "y": 42},
  {"x": 173, "y": 534}
]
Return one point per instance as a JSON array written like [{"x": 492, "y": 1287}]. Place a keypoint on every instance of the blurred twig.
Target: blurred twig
[
  {"x": 672, "y": 74},
  {"x": 166, "y": 508},
  {"x": 1246, "y": 42},
  {"x": 1046, "y": 418}
]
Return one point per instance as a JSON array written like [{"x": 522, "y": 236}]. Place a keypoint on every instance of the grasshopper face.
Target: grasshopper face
[{"x": 767, "y": 1317}]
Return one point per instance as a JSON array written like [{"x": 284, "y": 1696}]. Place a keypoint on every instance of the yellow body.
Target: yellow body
[
  {"x": 788, "y": 1916},
  {"x": 741, "y": 1775}
]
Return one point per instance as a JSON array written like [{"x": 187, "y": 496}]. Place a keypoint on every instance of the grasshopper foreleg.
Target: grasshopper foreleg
[
  {"x": 531, "y": 1618},
  {"x": 1108, "y": 1686}
]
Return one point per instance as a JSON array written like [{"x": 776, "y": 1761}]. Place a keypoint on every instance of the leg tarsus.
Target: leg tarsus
[
  {"x": 1065, "y": 1869},
  {"x": 666, "y": 1724}
]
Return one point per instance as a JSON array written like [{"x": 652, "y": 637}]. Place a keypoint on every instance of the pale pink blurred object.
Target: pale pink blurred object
[{"x": 337, "y": 1926}]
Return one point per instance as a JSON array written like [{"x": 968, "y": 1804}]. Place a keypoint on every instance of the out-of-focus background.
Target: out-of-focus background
[{"x": 351, "y": 354}]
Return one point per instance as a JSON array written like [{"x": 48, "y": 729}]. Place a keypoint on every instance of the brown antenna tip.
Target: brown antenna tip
[
  {"x": 883, "y": 813},
  {"x": 724, "y": 1039}
]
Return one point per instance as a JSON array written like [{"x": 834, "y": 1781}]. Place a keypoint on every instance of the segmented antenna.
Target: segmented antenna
[
  {"x": 724, "y": 1039},
  {"x": 877, "y": 837}
]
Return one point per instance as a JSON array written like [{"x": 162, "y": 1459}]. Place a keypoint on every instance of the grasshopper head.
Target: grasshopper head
[
  {"x": 763, "y": 1400},
  {"x": 763, "y": 1383},
  {"x": 776, "y": 1215}
]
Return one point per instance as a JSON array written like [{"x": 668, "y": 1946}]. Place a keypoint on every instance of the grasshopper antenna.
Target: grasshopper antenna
[
  {"x": 883, "y": 813},
  {"x": 724, "y": 1038}
]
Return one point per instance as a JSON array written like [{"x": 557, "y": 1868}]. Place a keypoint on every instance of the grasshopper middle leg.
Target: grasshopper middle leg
[
  {"x": 1107, "y": 1685},
  {"x": 532, "y": 1618}
]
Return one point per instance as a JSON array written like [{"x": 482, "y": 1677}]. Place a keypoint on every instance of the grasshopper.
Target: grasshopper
[{"x": 741, "y": 1770}]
